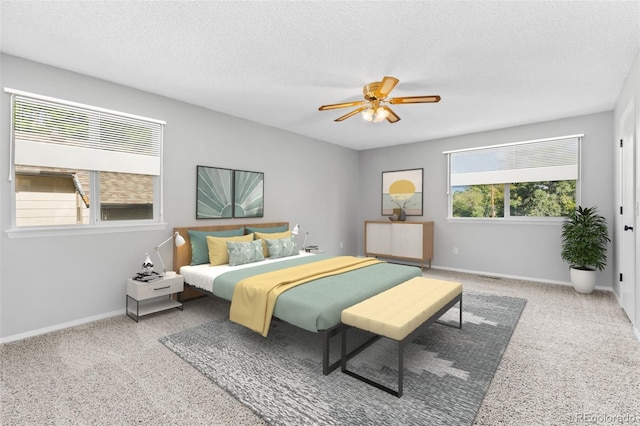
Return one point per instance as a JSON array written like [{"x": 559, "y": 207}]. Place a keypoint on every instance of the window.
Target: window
[
  {"x": 534, "y": 179},
  {"x": 76, "y": 165}
]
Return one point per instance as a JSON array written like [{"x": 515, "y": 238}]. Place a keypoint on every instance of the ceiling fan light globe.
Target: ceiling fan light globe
[
  {"x": 380, "y": 115},
  {"x": 368, "y": 113}
]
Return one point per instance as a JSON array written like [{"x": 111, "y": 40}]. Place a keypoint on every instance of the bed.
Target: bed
[{"x": 314, "y": 306}]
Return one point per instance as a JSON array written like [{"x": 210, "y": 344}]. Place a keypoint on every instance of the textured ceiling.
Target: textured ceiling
[{"x": 495, "y": 63}]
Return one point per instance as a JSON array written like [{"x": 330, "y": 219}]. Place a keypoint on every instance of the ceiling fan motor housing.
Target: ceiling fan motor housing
[{"x": 370, "y": 90}]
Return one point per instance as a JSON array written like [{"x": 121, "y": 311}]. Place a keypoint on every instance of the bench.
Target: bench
[{"x": 400, "y": 314}]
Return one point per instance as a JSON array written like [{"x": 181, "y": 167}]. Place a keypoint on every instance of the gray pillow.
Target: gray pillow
[
  {"x": 244, "y": 252},
  {"x": 282, "y": 247},
  {"x": 272, "y": 230}
]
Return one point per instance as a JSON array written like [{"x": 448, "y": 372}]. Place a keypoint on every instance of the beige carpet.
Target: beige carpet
[{"x": 573, "y": 359}]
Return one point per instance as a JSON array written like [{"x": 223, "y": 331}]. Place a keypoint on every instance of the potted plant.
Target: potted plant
[{"x": 584, "y": 246}]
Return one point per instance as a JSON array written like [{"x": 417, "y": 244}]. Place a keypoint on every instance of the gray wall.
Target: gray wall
[
  {"x": 49, "y": 281},
  {"x": 497, "y": 248},
  {"x": 46, "y": 282}
]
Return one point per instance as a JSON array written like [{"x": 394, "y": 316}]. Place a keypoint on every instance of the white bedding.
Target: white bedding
[{"x": 202, "y": 276}]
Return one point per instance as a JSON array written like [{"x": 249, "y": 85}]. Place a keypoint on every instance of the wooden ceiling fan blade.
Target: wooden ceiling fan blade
[
  {"x": 386, "y": 86},
  {"x": 392, "y": 117},
  {"x": 415, "y": 99},
  {"x": 352, "y": 113},
  {"x": 343, "y": 105}
]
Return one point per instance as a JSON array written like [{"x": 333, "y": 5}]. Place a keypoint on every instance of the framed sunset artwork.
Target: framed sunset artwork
[{"x": 402, "y": 189}]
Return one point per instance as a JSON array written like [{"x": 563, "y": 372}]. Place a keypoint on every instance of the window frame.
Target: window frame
[
  {"x": 507, "y": 218},
  {"x": 95, "y": 225}
]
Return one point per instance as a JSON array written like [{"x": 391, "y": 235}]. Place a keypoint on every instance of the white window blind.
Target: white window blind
[
  {"x": 56, "y": 133},
  {"x": 533, "y": 161}
]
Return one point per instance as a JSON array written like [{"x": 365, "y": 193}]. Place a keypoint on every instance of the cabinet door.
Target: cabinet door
[
  {"x": 406, "y": 240},
  {"x": 378, "y": 238}
]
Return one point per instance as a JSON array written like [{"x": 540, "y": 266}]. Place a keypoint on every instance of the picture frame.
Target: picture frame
[
  {"x": 402, "y": 190},
  {"x": 214, "y": 193},
  {"x": 248, "y": 190}
]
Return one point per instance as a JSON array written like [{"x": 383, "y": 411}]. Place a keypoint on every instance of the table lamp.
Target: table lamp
[
  {"x": 179, "y": 240},
  {"x": 296, "y": 230}
]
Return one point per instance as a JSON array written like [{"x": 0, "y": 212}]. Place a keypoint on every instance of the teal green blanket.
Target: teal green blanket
[{"x": 317, "y": 305}]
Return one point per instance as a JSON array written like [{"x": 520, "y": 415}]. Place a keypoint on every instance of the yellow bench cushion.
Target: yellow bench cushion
[{"x": 398, "y": 311}]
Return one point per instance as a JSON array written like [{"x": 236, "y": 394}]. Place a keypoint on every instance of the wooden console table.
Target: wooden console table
[{"x": 412, "y": 241}]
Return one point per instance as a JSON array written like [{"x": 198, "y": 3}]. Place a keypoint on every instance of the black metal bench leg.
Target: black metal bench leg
[
  {"x": 459, "y": 325},
  {"x": 327, "y": 365},
  {"x": 343, "y": 350},
  {"x": 400, "y": 368}
]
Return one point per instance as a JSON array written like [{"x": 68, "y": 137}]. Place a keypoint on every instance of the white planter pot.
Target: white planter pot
[{"x": 583, "y": 281}]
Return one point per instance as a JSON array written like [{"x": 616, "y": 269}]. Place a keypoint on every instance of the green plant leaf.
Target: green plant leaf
[{"x": 584, "y": 239}]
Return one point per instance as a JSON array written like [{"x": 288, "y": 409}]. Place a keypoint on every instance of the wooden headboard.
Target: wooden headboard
[{"x": 182, "y": 254}]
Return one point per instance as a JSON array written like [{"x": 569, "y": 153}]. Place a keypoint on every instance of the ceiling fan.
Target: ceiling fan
[{"x": 375, "y": 94}]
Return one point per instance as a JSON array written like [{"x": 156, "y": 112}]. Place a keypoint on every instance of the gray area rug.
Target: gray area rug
[{"x": 447, "y": 370}]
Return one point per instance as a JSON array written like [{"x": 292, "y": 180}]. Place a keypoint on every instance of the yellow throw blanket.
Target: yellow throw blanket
[{"x": 255, "y": 297}]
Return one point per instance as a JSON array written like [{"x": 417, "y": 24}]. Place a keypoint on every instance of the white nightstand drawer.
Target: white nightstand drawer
[{"x": 141, "y": 291}]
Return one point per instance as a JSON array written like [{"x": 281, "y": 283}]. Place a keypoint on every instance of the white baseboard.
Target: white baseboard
[
  {"x": 514, "y": 277},
  {"x": 62, "y": 326},
  {"x": 617, "y": 297},
  {"x": 57, "y": 327},
  {"x": 636, "y": 331}
]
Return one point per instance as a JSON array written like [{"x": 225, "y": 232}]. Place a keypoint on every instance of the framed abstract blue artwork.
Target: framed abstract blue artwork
[
  {"x": 248, "y": 190},
  {"x": 214, "y": 197}
]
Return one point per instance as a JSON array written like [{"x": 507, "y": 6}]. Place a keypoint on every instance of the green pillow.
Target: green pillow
[
  {"x": 199, "y": 247},
  {"x": 244, "y": 252},
  {"x": 270, "y": 236},
  {"x": 282, "y": 247},
  {"x": 267, "y": 230}
]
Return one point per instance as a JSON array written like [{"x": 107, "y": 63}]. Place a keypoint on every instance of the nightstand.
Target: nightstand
[{"x": 153, "y": 296}]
